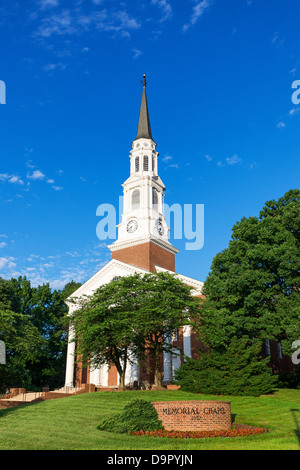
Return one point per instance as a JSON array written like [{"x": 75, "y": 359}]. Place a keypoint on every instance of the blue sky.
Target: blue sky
[{"x": 219, "y": 91}]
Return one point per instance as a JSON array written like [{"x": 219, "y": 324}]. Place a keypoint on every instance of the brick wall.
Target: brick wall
[
  {"x": 14, "y": 392},
  {"x": 112, "y": 376},
  {"x": 194, "y": 415},
  {"x": 146, "y": 256}
]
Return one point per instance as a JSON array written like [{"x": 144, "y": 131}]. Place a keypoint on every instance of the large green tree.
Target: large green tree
[
  {"x": 253, "y": 287},
  {"x": 130, "y": 317},
  {"x": 165, "y": 305},
  {"x": 237, "y": 369},
  {"x": 33, "y": 328},
  {"x": 104, "y": 325},
  {"x": 22, "y": 339}
]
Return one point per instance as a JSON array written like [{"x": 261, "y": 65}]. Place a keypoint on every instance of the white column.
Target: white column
[
  {"x": 187, "y": 349},
  {"x": 176, "y": 360},
  {"x": 95, "y": 376},
  {"x": 104, "y": 375},
  {"x": 128, "y": 373},
  {"x": 132, "y": 371},
  {"x": 167, "y": 363},
  {"x": 69, "y": 380},
  {"x": 135, "y": 372}
]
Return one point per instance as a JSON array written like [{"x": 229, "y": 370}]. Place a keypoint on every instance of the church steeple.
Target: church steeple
[
  {"x": 144, "y": 128},
  {"x": 143, "y": 233}
]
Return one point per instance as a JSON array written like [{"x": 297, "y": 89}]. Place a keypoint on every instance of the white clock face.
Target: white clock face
[
  {"x": 132, "y": 226},
  {"x": 159, "y": 227}
]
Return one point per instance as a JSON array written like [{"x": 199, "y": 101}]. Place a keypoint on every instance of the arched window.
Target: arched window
[
  {"x": 137, "y": 164},
  {"x": 154, "y": 199},
  {"x": 146, "y": 163},
  {"x": 153, "y": 163},
  {"x": 135, "y": 199}
]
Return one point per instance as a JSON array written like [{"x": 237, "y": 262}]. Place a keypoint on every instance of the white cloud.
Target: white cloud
[
  {"x": 52, "y": 67},
  {"x": 36, "y": 175},
  {"x": 165, "y": 7},
  {"x": 198, "y": 10},
  {"x": 3, "y": 262},
  {"x": 234, "y": 160},
  {"x": 57, "y": 188},
  {"x": 74, "y": 254},
  {"x": 230, "y": 161},
  {"x": 169, "y": 158},
  {"x": 5, "y": 177},
  {"x": 136, "y": 53},
  {"x": 208, "y": 158},
  {"x": 48, "y": 3},
  {"x": 61, "y": 23},
  {"x": 16, "y": 179},
  {"x": 277, "y": 40},
  {"x": 281, "y": 125},
  {"x": 7, "y": 263},
  {"x": 48, "y": 265},
  {"x": 69, "y": 22},
  {"x": 30, "y": 165},
  {"x": 38, "y": 280},
  {"x": 3, "y": 244},
  {"x": 294, "y": 111}
]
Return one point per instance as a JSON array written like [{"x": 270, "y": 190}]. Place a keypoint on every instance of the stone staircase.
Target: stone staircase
[
  {"x": 20, "y": 396},
  {"x": 26, "y": 397}
]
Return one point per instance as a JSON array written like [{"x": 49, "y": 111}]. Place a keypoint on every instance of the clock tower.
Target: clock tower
[{"x": 143, "y": 235}]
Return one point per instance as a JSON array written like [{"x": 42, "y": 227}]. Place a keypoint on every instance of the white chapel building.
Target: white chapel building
[{"x": 142, "y": 246}]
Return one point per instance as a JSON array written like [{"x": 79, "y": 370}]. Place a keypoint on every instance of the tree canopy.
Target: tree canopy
[
  {"x": 33, "y": 329},
  {"x": 129, "y": 316},
  {"x": 253, "y": 286}
]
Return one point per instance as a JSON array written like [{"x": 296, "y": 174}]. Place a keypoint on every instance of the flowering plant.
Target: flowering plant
[{"x": 236, "y": 431}]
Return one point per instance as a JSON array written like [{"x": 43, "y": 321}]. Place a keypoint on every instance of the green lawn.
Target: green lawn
[{"x": 70, "y": 423}]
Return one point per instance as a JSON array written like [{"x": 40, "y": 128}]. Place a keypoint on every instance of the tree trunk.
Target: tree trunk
[
  {"x": 122, "y": 380},
  {"x": 121, "y": 368},
  {"x": 157, "y": 371}
]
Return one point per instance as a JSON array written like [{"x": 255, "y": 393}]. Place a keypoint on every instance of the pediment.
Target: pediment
[
  {"x": 194, "y": 283},
  {"x": 112, "y": 269},
  {"x": 115, "y": 268}
]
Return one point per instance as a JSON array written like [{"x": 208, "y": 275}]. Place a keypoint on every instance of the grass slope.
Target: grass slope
[{"x": 70, "y": 423}]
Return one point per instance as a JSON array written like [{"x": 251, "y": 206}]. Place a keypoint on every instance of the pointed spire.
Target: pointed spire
[{"x": 144, "y": 128}]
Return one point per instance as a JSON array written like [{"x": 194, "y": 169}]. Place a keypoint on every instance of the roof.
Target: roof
[
  {"x": 118, "y": 268},
  {"x": 144, "y": 128}
]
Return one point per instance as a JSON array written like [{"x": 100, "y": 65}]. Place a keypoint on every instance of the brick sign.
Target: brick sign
[{"x": 194, "y": 415}]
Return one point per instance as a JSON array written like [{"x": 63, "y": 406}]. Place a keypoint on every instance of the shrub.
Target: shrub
[
  {"x": 136, "y": 415},
  {"x": 236, "y": 370}
]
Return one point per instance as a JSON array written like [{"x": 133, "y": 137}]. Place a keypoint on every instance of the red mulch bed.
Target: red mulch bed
[{"x": 238, "y": 430}]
